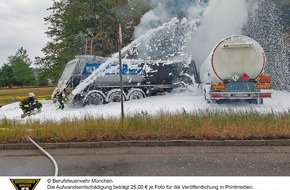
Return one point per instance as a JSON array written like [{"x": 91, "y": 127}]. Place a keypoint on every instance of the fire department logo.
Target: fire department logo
[{"x": 25, "y": 184}]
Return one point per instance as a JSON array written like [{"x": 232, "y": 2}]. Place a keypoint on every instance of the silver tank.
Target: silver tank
[{"x": 234, "y": 55}]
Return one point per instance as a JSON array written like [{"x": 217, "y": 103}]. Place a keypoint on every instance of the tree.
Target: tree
[
  {"x": 6, "y": 75},
  {"x": 20, "y": 54},
  {"x": 42, "y": 79},
  {"x": 284, "y": 9},
  {"x": 23, "y": 74},
  {"x": 74, "y": 21},
  {"x": 20, "y": 65},
  {"x": 265, "y": 26}
]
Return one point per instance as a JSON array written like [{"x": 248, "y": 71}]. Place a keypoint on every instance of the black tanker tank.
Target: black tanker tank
[{"x": 141, "y": 78}]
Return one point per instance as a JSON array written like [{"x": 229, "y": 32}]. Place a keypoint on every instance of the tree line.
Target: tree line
[
  {"x": 71, "y": 23},
  {"x": 18, "y": 71}
]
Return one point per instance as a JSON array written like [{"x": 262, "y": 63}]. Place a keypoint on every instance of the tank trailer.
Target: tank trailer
[
  {"x": 234, "y": 70},
  {"x": 141, "y": 78}
]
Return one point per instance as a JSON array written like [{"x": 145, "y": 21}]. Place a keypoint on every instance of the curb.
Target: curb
[{"x": 152, "y": 143}]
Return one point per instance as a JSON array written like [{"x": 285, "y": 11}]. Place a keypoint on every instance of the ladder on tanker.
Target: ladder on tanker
[{"x": 89, "y": 46}]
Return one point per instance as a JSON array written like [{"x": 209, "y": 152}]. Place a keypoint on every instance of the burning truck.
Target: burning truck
[{"x": 141, "y": 78}]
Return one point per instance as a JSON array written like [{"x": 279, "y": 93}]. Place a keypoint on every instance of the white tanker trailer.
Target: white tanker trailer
[{"x": 234, "y": 70}]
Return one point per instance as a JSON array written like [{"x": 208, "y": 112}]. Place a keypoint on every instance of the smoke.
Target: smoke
[
  {"x": 219, "y": 20},
  {"x": 166, "y": 42},
  {"x": 215, "y": 20},
  {"x": 163, "y": 11}
]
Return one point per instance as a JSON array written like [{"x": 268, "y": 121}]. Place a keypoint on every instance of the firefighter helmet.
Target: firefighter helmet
[{"x": 31, "y": 94}]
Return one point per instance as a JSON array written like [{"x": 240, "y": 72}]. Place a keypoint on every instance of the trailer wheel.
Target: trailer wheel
[
  {"x": 115, "y": 95},
  {"x": 187, "y": 80},
  {"x": 135, "y": 93},
  {"x": 94, "y": 98}
]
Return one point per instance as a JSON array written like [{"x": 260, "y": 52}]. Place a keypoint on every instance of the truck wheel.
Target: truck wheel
[
  {"x": 135, "y": 93},
  {"x": 115, "y": 95},
  {"x": 94, "y": 98},
  {"x": 187, "y": 80}
]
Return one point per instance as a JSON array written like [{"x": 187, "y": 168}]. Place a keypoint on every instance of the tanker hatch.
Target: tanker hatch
[{"x": 238, "y": 45}]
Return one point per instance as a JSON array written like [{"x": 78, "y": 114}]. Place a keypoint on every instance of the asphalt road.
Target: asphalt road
[{"x": 150, "y": 161}]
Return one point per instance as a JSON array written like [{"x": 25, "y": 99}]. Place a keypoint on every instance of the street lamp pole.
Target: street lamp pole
[{"x": 121, "y": 70}]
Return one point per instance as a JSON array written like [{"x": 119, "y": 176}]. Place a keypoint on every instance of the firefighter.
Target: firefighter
[
  {"x": 60, "y": 97},
  {"x": 29, "y": 104}
]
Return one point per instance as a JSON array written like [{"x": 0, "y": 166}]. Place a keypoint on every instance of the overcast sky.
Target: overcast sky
[{"x": 22, "y": 25}]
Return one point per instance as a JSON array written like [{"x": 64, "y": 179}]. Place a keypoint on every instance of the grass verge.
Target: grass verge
[
  {"x": 198, "y": 125},
  {"x": 10, "y": 95}
]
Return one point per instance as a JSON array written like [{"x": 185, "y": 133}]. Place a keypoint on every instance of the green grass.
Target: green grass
[
  {"x": 10, "y": 95},
  {"x": 198, "y": 125}
]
